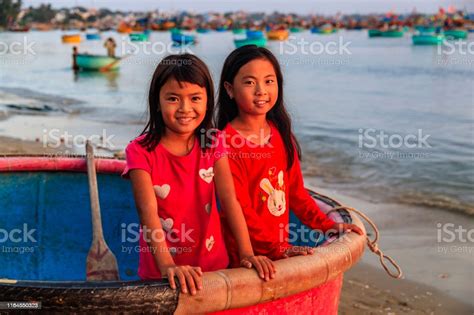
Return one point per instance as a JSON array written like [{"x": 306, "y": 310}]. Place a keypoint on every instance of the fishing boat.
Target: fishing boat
[
  {"x": 425, "y": 29},
  {"x": 19, "y": 28},
  {"x": 47, "y": 199},
  {"x": 388, "y": 33},
  {"x": 261, "y": 42},
  {"x": 222, "y": 29},
  {"x": 93, "y": 36},
  {"x": 167, "y": 25},
  {"x": 88, "y": 62},
  {"x": 325, "y": 29},
  {"x": 203, "y": 30},
  {"x": 455, "y": 34},
  {"x": 428, "y": 39},
  {"x": 71, "y": 38},
  {"x": 296, "y": 29},
  {"x": 124, "y": 28},
  {"x": 278, "y": 34},
  {"x": 179, "y": 38},
  {"x": 138, "y": 37},
  {"x": 254, "y": 34},
  {"x": 239, "y": 31}
]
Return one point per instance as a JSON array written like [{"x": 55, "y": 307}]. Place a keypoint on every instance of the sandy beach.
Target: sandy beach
[{"x": 433, "y": 282}]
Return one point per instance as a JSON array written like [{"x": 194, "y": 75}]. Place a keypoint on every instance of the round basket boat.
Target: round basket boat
[
  {"x": 71, "y": 38},
  {"x": 278, "y": 34},
  {"x": 96, "y": 62},
  {"x": 47, "y": 199}
]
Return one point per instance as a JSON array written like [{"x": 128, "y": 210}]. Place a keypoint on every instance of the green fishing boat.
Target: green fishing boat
[
  {"x": 239, "y": 31},
  {"x": 455, "y": 34},
  {"x": 261, "y": 42},
  {"x": 138, "y": 37},
  {"x": 97, "y": 62},
  {"x": 389, "y": 33},
  {"x": 428, "y": 39},
  {"x": 296, "y": 29}
]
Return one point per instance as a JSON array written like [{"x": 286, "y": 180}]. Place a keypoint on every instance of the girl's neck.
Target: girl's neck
[
  {"x": 255, "y": 129},
  {"x": 177, "y": 144},
  {"x": 250, "y": 124}
]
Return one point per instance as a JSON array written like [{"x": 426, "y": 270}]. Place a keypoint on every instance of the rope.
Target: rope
[{"x": 372, "y": 244}]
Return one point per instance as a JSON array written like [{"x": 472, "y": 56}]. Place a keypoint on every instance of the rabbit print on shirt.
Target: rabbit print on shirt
[{"x": 276, "y": 201}]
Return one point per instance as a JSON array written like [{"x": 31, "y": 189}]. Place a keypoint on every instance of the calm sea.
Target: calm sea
[{"x": 379, "y": 118}]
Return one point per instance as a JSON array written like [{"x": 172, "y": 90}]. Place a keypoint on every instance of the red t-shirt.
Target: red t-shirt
[
  {"x": 185, "y": 193},
  {"x": 266, "y": 191}
]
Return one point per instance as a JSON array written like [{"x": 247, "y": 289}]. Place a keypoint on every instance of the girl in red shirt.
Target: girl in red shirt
[
  {"x": 175, "y": 174},
  {"x": 264, "y": 156}
]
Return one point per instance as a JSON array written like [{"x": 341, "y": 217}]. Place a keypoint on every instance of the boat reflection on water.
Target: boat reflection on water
[{"x": 109, "y": 76}]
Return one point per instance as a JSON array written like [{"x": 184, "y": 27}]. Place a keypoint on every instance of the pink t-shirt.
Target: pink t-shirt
[{"x": 185, "y": 193}]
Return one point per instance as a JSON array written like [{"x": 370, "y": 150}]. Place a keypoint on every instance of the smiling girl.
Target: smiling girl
[{"x": 175, "y": 174}]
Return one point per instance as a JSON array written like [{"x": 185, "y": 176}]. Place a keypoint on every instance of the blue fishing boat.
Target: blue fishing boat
[
  {"x": 182, "y": 39},
  {"x": 254, "y": 34},
  {"x": 93, "y": 36},
  {"x": 46, "y": 214}
]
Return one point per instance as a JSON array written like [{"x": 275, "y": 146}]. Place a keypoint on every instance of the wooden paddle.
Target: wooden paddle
[{"x": 101, "y": 262}]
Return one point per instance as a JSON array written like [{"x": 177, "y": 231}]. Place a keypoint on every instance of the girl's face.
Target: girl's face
[
  {"x": 183, "y": 106},
  {"x": 255, "y": 87}
]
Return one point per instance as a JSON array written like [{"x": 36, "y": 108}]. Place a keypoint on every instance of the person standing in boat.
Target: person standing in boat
[
  {"x": 110, "y": 45},
  {"x": 175, "y": 175},
  {"x": 75, "y": 67},
  {"x": 264, "y": 156}
]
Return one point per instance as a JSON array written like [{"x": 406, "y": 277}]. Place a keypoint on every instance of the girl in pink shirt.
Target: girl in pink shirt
[{"x": 175, "y": 173}]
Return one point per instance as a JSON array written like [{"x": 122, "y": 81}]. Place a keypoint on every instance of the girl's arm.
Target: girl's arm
[
  {"x": 307, "y": 210},
  {"x": 235, "y": 219},
  {"x": 145, "y": 200}
]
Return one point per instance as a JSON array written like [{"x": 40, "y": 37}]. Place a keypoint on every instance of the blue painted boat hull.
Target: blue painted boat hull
[{"x": 54, "y": 208}]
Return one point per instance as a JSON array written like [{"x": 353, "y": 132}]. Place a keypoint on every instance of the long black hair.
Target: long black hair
[
  {"x": 183, "y": 68},
  {"x": 227, "y": 108}
]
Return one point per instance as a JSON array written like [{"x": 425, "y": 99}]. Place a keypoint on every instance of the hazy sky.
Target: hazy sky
[{"x": 298, "y": 6}]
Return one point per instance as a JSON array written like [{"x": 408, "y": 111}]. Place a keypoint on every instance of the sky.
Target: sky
[{"x": 296, "y": 6}]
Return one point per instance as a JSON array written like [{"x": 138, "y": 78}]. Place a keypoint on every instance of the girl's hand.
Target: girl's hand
[
  {"x": 298, "y": 251},
  {"x": 190, "y": 278},
  {"x": 346, "y": 227},
  {"x": 265, "y": 268}
]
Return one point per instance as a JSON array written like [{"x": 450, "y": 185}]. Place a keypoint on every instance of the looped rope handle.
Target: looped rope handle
[{"x": 372, "y": 244}]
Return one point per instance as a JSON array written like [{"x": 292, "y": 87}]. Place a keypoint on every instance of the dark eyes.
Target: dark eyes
[
  {"x": 250, "y": 82},
  {"x": 174, "y": 99}
]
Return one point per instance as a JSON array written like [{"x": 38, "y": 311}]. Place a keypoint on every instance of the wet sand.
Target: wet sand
[
  {"x": 434, "y": 283},
  {"x": 369, "y": 290}
]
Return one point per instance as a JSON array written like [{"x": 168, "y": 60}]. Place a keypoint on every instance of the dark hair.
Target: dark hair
[
  {"x": 227, "y": 108},
  {"x": 182, "y": 68}
]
